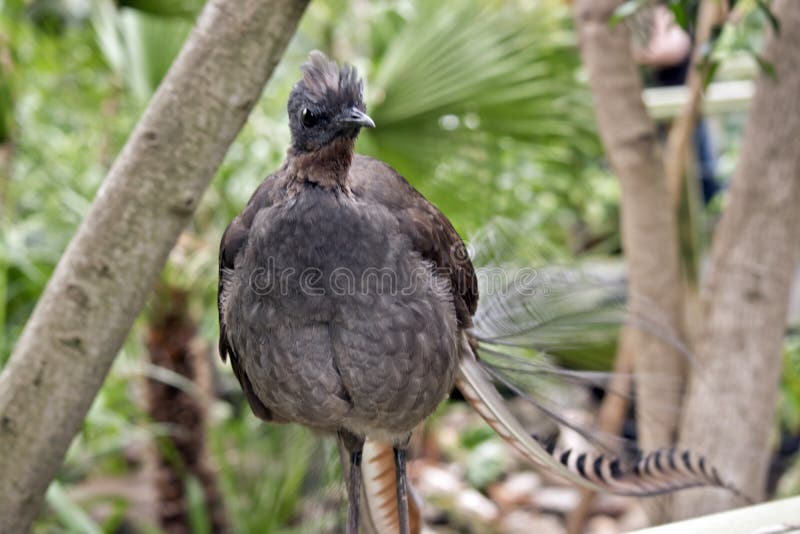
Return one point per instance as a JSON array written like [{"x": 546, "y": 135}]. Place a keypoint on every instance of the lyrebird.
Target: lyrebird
[{"x": 346, "y": 303}]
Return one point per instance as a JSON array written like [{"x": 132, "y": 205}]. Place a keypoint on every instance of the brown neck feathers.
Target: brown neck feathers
[{"x": 327, "y": 166}]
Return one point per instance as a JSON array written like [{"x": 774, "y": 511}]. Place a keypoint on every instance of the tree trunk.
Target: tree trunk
[
  {"x": 649, "y": 230},
  {"x": 711, "y": 13},
  {"x": 172, "y": 344},
  {"x": 731, "y": 399},
  {"x": 106, "y": 273}
]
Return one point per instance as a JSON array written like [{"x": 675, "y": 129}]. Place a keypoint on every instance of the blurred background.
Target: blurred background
[{"x": 491, "y": 100}]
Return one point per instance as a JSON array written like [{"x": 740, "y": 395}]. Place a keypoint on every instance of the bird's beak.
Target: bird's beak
[{"x": 357, "y": 117}]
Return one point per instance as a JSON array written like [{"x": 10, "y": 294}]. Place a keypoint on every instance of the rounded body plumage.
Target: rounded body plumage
[{"x": 337, "y": 321}]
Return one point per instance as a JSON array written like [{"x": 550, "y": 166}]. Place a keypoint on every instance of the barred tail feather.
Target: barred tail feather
[
  {"x": 654, "y": 473},
  {"x": 481, "y": 394},
  {"x": 379, "y": 490}
]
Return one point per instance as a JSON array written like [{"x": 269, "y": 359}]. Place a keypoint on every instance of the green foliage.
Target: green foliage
[
  {"x": 164, "y": 8},
  {"x": 139, "y": 46},
  {"x": 458, "y": 92},
  {"x": 629, "y": 8},
  {"x": 73, "y": 518},
  {"x": 471, "y": 437},
  {"x": 198, "y": 518},
  {"x": 67, "y": 125},
  {"x": 790, "y": 385},
  {"x": 765, "y": 8},
  {"x": 487, "y": 462},
  {"x": 6, "y": 93},
  {"x": 742, "y": 35},
  {"x": 265, "y": 471}
]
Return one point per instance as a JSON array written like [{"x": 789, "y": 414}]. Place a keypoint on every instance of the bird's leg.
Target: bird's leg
[
  {"x": 354, "y": 446},
  {"x": 402, "y": 493},
  {"x": 354, "y": 491}
]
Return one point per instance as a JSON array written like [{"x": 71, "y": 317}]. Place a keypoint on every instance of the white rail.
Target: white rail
[
  {"x": 768, "y": 518},
  {"x": 731, "y": 93}
]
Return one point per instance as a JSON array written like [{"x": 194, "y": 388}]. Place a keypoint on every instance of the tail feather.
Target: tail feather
[
  {"x": 484, "y": 399},
  {"x": 654, "y": 473},
  {"x": 379, "y": 514},
  {"x": 379, "y": 492}
]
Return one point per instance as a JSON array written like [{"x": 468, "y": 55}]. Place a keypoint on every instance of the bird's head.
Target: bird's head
[{"x": 326, "y": 105}]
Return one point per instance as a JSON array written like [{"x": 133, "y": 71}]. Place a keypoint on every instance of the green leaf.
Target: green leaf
[
  {"x": 711, "y": 68},
  {"x": 680, "y": 13},
  {"x": 765, "y": 66},
  {"x": 766, "y": 9},
  {"x": 138, "y": 45},
  {"x": 196, "y": 506},
  {"x": 165, "y": 8},
  {"x": 471, "y": 437},
  {"x": 70, "y": 514},
  {"x": 460, "y": 84},
  {"x": 624, "y": 11}
]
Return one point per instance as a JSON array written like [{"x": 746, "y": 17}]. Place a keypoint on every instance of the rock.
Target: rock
[
  {"x": 562, "y": 500},
  {"x": 525, "y": 522},
  {"x": 612, "y": 505},
  {"x": 558, "y": 500},
  {"x": 518, "y": 489},
  {"x": 634, "y": 519},
  {"x": 432, "y": 480},
  {"x": 602, "y": 524},
  {"x": 472, "y": 504}
]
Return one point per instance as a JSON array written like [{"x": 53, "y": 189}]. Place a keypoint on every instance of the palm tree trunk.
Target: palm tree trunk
[
  {"x": 104, "y": 277},
  {"x": 172, "y": 345},
  {"x": 729, "y": 409}
]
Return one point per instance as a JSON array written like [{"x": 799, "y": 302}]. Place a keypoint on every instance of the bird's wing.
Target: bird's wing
[
  {"x": 430, "y": 232},
  {"x": 234, "y": 242}
]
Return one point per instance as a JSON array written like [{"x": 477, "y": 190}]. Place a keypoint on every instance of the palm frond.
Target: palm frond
[
  {"x": 138, "y": 45},
  {"x": 458, "y": 81}
]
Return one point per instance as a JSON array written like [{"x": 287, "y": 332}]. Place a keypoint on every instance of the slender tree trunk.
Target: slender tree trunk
[
  {"x": 106, "y": 273},
  {"x": 649, "y": 230},
  {"x": 731, "y": 399},
  {"x": 172, "y": 345},
  {"x": 711, "y": 13}
]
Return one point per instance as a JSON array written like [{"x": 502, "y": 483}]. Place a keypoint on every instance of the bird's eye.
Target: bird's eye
[{"x": 308, "y": 118}]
